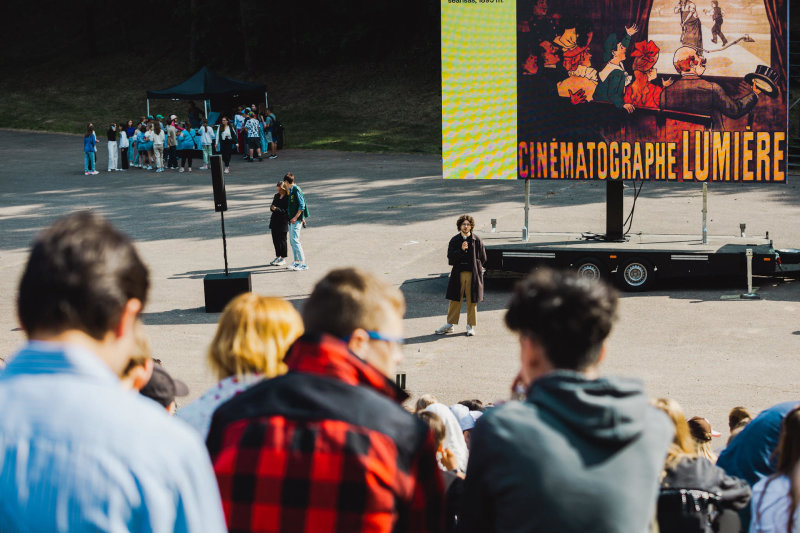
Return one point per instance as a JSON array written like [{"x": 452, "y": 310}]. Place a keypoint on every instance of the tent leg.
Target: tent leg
[
  {"x": 205, "y": 107},
  {"x": 148, "y": 108},
  {"x": 266, "y": 100}
]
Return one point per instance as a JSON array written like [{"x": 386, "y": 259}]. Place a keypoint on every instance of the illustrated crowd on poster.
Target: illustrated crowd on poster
[{"x": 615, "y": 109}]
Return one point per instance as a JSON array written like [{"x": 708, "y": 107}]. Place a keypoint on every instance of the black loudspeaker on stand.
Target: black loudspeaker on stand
[{"x": 219, "y": 289}]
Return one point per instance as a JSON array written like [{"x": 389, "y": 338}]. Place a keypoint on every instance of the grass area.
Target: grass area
[{"x": 369, "y": 108}]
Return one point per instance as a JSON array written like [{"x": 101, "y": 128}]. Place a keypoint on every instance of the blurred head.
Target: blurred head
[
  {"x": 739, "y": 416},
  {"x": 700, "y": 429},
  {"x": 424, "y": 401},
  {"x": 84, "y": 275},
  {"x": 364, "y": 310},
  {"x": 562, "y": 321},
  {"x": 682, "y": 444},
  {"x": 253, "y": 335},
  {"x": 289, "y": 179},
  {"x": 436, "y": 424}
]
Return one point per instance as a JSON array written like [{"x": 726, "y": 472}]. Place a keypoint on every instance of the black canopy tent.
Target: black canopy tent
[{"x": 209, "y": 85}]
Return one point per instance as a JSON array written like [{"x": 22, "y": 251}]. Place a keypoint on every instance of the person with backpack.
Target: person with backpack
[
  {"x": 298, "y": 211},
  {"x": 696, "y": 496}
]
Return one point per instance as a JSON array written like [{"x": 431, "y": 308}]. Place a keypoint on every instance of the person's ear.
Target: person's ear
[
  {"x": 128, "y": 318},
  {"x": 140, "y": 375},
  {"x": 602, "y": 355},
  {"x": 358, "y": 341}
]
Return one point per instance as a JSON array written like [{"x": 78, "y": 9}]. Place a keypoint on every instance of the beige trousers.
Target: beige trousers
[{"x": 454, "y": 310}]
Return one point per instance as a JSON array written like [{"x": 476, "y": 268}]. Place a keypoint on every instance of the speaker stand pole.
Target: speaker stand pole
[{"x": 224, "y": 241}]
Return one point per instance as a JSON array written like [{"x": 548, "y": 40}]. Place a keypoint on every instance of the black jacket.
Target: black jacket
[
  {"x": 279, "y": 220},
  {"x": 697, "y": 473}
]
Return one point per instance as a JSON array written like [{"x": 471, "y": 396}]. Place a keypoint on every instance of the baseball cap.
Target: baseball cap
[
  {"x": 465, "y": 420},
  {"x": 163, "y": 388},
  {"x": 701, "y": 429},
  {"x": 159, "y": 117}
]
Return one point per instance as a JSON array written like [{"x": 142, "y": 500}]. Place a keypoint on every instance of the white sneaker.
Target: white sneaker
[
  {"x": 301, "y": 267},
  {"x": 181, "y": 170},
  {"x": 274, "y": 261},
  {"x": 204, "y": 167},
  {"x": 293, "y": 266},
  {"x": 447, "y": 328},
  {"x": 281, "y": 261},
  {"x": 470, "y": 331}
]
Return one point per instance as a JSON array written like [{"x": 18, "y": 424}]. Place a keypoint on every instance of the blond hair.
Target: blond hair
[
  {"x": 141, "y": 348},
  {"x": 683, "y": 442},
  {"x": 253, "y": 335}
]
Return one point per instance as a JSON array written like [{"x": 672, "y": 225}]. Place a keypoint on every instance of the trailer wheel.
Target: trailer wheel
[
  {"x": 589, "y": 268},
  {"x": 636, "y": 275}
]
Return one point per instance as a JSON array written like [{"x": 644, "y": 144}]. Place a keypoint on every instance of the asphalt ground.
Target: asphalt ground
[{"x": 393, "y": 215}]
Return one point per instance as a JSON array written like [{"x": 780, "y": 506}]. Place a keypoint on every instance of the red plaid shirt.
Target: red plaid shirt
[{"x": 325, "y": 448}]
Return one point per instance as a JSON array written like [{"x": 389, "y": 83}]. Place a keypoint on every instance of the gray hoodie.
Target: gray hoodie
[{"x": 577, "y": 456}]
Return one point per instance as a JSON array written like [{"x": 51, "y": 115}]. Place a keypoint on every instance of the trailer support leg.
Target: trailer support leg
[
  {"x": 705, "y": 213},
  {"x": 614, "y": 219},
  {"x": 527, "y": 209}
]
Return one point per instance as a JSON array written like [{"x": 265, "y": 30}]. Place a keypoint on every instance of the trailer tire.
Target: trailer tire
[
  {"x": 589, "y": 268},
  {"x": 636, "y": 275}
]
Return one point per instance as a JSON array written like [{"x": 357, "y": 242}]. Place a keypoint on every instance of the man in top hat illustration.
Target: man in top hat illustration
[{"x": 693, "y": 94}]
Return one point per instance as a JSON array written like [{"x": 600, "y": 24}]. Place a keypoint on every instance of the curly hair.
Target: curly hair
[
  {"x": 569, "y": 316},
  {"x": 468, "y": 218}
]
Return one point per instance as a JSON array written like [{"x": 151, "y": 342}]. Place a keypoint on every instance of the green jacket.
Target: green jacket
[{"x": 297, "y": 202}]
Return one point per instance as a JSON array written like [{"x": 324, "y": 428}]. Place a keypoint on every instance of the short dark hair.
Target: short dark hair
[
  {"x": 568, "y": 315},
  {"x": 468, "y": 218},
  {"x": 473, "y": 405},
  {"x": 289, "y": 177},
  {"x": 349, "y": 298},
  {"x": 80, "y": 274}
]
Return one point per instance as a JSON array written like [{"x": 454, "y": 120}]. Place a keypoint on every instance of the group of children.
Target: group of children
[{"x": 154, "y": 143}]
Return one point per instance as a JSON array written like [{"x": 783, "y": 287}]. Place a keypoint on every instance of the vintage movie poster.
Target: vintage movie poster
[{"x": 662, "y": 90}]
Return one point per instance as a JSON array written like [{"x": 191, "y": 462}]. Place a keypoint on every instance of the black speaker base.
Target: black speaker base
[{"x": 220, "y": 289}]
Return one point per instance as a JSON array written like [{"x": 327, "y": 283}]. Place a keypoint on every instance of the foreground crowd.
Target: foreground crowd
[
  {"x": 154, "y": 143},
  {"x": 305, "y": 429}
]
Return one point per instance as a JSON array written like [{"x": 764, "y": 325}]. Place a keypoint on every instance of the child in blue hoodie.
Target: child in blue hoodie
[{"x": 89, "y": 148}]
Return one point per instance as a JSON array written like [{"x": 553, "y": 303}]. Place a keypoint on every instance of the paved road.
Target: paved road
[{"x": 393, "y": 214}]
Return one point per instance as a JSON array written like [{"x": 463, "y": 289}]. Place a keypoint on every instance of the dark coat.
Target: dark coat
[
  {"x": 693, "y": 94},
  {"x": 279, "y": 220},
  {"x": 454, "y": 256}
]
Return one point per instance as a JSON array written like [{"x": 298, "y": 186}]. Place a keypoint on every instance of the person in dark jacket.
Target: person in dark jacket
[
  {"x": 327, "y": 447},
  {"x": 466, "y": 254},
  {"x": 582, "y": 453},
  {"x": 682, "y": 506},
  {"x": 279, "y": 224}
]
